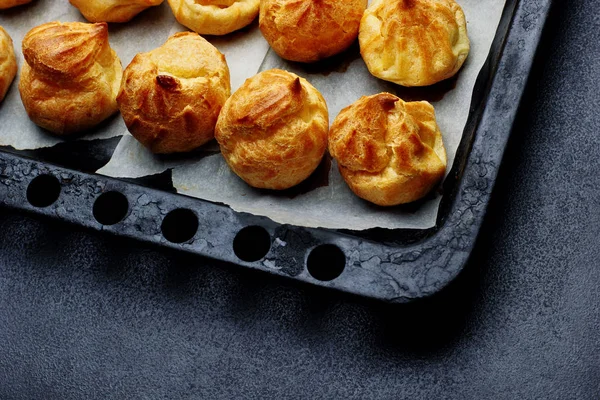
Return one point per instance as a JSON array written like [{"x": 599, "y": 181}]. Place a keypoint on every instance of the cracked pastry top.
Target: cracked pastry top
[
  {"x": 273, "y": 130},
  {"x": 171, "y": 97},
  {"x": 8, "y": 63},
  {"x": 4, "y": 4},
  {"x": 414, "y": 42},
  {"x": 112, "y": 10},
  {"x": 388, "y": 151},
  {"x": 310, "y": 30},
  {"x": 215, "y": 17},
  {"x": 71, "y": 76}
]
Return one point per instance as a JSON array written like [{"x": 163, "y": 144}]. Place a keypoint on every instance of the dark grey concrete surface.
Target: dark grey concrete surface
[{"x": 86, "y": 316}]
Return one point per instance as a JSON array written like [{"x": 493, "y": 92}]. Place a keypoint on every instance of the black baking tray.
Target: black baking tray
[{"x": 389, "y": 265}]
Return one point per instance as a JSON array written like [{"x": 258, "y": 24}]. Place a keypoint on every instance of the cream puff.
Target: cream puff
[
  {"x": 71, "y": 76},
  {"x": 309, "y": 30},
  {"x": 8, "y": 63},
  {"x": 112, "y": 10},
  {"x": 273, "y": 130},
  {"x": 388, "y": 151},
  {"x": 4, "y": 4},
  {"x": 171, "y": 97},
  {"x": 215, "y": 17},
  {"x": 414, "y": 42}
]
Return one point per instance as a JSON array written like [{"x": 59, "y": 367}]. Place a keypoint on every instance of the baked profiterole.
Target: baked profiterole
[
  {"x": 171, "y": 97},
  {"x": 388, "y": 151},
  {"x": 310, "y": 30},
  {"x": 215, "y": 17},
  {"x": 71, "y": 76},
  {"x": 414, "y": 42},
  {"x": 273, "y": 130},
  {"x": 4, "y": 4},
  {"x": 8, "y": 63},
  {"x": 112, "y": 10}
]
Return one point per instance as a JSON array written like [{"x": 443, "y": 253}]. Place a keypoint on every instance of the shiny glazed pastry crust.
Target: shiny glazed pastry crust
[
  {"x": 414, "y": 42},
  {"x": 8, "y": 63},
  {"x": 273, "y": 130},
  {"x": 215, "y": 17},
  {"x": 71, "y": 76},
  {"x": 4, "y": 4},
  {"x": 310, "y": 30},
  {"x": 389, "y": 152},
  {"x": 171, "y": 97},
  {"x": 112, "y": 10}
]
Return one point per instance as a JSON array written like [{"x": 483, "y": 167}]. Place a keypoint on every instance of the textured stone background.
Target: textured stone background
[{"x": 83, "y": 315}]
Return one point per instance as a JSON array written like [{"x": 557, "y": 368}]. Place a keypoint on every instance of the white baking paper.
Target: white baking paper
[{"x": 342, "y": 80}]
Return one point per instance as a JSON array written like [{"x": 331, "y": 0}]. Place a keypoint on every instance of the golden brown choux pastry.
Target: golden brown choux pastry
[
  {"x": 171, "y": 97},
  {"x": 112, "y": 10},
  {"x": 389, "y": 152},
  {"x": 273, "y": 130},
  {"x": 414, "y": 42},
  {"x": 310, "y": 30},
  {"x": 71, "y": 76},
  {"x": 8, "y": 63},
  {"x": 215, "y": 17},
  {"x": 4, "y": 4}
]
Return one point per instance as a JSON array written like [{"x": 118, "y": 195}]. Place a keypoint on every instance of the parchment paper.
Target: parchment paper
[{"x": 325, "y": 200}]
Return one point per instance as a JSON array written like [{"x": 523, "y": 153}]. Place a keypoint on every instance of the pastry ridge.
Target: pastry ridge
[
  {"x": 414, "y": 42},
  {"x": 310, "y": 30},
  {"x": 8, "y": 62},
  {"x": 273, "y": 130},
  {"x": 171, "y": 97},
  {"x": 388, "y": 151},
  {"x": 71, "y": 76}
]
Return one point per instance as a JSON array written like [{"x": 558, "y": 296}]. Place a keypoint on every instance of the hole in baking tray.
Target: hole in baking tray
[
  {"x": 110, "y": 208},
  {"x": 252, "y": 243},
  {"x": 326, "y": 262},
  {"x": 43, "y": 191},
  {"x": 179, "y": 225}
]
